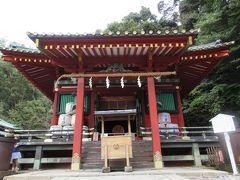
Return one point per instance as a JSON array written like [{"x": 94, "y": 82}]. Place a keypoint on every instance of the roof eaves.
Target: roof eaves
[
  {"x": 6, "y": 124},
  {"x": 19, "y": 49},
  {"x": 209, "y": 46},
  {"x": 114, "y": 34}
]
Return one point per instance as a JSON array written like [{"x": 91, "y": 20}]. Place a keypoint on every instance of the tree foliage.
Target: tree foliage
[
  {"x": 169, "y": 11},
  {"x": 31, "y": 114},
  {"x": 220, "y": 92},
  {"x": 144, "y": 20},
  {"x": 20, "y": 102}
]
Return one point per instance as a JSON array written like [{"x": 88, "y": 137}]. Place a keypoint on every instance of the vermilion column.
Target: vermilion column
[
  {"x": 156, "y": 144},
  {"x": 180, "y": 112},
  {"x": 77, "y": 139},
  {"x": 54, "y": 120}
]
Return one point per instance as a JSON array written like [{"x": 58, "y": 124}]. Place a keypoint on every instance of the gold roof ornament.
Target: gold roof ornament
[
  {"x": 190, "y": 40},
  {"x": 183, "y": 31},
  {"x": 192, "y": 31},
  {"x": 37, "y": 43},
  {"x": 175, "y": 31},
  {"x": 167, "y": 31}
]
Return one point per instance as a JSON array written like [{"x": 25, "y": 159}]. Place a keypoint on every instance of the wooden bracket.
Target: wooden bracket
[
  {"x": 150, "y": 60},
  {"x": 80, "y": 61}
]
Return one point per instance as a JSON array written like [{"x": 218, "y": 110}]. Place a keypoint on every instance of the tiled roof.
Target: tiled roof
[
  {"x": 6, "y": 124},
  {"x": 114, "y": 34},
  {"x": 20, "y": 49},
  {"x": 212, "y": 45}
]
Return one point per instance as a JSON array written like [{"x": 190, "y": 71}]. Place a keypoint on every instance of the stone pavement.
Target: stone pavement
[{"x": 168, "y": 173}]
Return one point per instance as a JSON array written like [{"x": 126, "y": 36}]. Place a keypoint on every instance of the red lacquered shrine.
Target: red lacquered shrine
[{"x": 139, "y": 75}]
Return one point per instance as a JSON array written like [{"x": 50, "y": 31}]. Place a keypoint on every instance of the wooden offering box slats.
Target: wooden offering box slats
[{"x": 116, "y": 147}]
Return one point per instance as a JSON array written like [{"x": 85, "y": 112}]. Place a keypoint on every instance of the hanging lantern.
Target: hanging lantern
[
  {"x": 90, "y": 82},
  {"x": 107, "y": 82},
  {"x": 122, "y": 82},
  {"x": 139, "y": 81}
]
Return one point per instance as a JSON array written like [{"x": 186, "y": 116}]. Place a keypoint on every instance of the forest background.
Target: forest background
[{"x": 23, "y": 105}]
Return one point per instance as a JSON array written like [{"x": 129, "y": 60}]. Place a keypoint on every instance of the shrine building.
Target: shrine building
[{"x": 120, "y": 82}]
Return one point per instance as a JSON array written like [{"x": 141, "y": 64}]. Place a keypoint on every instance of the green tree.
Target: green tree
[
  {"x": 18, "y": 98},
  {"x": 189, "y": 13},
  {"x": 220, "y": 91},
  {"x": 144, "y": 20},
  {"x": 169, "y": 11},
  {"x": 33, "y": 114}
]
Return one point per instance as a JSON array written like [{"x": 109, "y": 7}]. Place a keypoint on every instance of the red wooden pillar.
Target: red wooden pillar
[
  {"x": 180, "y": 112},
  {"x": 156, "y": 144},
  {"x": 54, "y": 120},
  {"x": 77, "y": 139}
]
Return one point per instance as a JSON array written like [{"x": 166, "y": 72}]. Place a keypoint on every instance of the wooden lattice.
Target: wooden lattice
[{"x": 215, "y": 156}]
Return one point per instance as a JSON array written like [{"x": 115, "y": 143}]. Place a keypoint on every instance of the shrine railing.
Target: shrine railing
[
  {"x": 191, "y": 144},
  {"x": 67, "y": 134},
  {"x": 46, "y": 135},
  {"x": 183, "y": 132}
]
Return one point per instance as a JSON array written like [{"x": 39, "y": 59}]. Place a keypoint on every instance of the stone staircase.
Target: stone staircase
[
  {"x": 142, "y": 156},
  {"x": 91, "y": 155}
]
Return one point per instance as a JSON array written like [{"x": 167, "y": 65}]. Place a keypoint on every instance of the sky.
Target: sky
[{"x": 63, "y": 16}]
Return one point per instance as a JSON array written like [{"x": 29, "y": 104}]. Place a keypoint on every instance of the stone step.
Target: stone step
[
  {"x": 135, "y": 154},
  {"x": 117, "y": 165},
  {"x": 142, "y": 156}
]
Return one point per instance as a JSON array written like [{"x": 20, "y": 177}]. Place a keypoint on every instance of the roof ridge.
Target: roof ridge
[
  {"x": 21, "y": 49},
  {"x": 211, "y": 45},
  {"x": 115, "y": 34}
]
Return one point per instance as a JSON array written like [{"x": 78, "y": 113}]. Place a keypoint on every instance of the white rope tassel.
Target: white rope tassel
[
  {"x": 90, "y": 82},
  {"x": 122, "y": 82},
  {"x": 107, "y": 82},
  {"x": 139, "y": 81}
]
